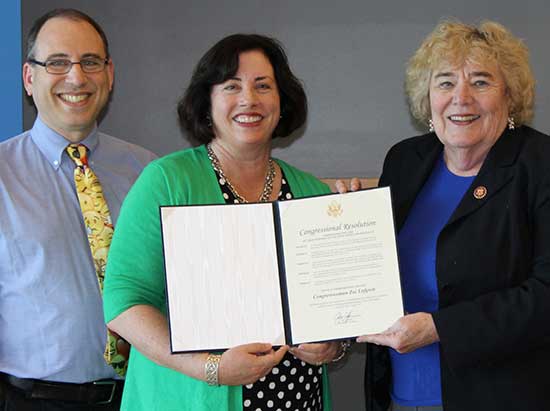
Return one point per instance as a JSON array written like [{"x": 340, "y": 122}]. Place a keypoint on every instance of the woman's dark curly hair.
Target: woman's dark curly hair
[{"x": 219, "y": 64}]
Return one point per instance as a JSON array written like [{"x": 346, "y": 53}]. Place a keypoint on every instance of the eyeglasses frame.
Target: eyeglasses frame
[{"x": 45, "y": 65}]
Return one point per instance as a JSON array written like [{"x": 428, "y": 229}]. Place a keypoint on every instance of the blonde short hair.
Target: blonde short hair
[{"x": 455, "y": 43}]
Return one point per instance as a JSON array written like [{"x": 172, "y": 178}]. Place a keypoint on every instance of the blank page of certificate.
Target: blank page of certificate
[
  {"x": 222, "y": 276},
  {"x": 341, "y": 265}
]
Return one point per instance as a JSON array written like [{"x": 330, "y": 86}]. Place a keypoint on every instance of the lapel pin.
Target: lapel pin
[{"x": 480, "y": 192}]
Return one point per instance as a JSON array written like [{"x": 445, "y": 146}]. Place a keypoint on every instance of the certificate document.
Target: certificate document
[{"x": 290, "y": 272}]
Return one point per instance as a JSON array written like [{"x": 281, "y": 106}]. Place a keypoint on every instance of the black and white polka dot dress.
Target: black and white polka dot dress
[{"x": 293, "y": 384}]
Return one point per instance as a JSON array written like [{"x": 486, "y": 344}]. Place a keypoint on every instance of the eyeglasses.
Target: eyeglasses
[{"x": 63, "y": 66}]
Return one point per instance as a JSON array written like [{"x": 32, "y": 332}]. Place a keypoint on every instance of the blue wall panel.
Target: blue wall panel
[{"x": 11, "y": 104}]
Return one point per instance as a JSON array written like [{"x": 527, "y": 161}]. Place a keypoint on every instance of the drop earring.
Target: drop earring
[
  {"x": 511, "y": 123},
  {"x": 431, "y": 125}
]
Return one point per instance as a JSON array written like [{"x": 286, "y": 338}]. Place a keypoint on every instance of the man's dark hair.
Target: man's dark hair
[
  {"x": 219, "y": 64},
  {"x": 71, "y": 14}
]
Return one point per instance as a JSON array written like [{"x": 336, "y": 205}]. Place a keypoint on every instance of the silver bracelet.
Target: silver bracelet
[
  {"x": 211, "y": 367},
  {"x": 344, "y": 346}
]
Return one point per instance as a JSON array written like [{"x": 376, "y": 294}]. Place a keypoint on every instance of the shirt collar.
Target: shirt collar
[{"x": 52, "y": 144}]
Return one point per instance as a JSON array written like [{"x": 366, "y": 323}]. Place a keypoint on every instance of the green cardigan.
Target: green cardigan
[{"x": 135, "y": 275}]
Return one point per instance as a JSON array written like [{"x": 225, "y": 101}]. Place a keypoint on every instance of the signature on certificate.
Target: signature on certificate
[{"x": 342, "y": 317}]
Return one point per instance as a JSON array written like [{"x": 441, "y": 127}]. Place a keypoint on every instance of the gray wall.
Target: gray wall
[{"x": 350, "y": 55}]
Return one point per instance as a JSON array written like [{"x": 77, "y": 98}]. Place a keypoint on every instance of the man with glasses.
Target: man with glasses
[{"x": 52, "y": 333}]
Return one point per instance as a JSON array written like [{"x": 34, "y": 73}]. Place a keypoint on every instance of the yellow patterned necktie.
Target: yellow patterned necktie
[{"x": 99, "y": 228}]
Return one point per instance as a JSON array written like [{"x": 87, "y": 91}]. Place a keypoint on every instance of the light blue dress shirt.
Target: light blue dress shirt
[{"x": 51, "y": 315}]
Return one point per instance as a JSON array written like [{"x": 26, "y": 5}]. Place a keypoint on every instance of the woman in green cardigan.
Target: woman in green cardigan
[{"x": 242, "y": 94}]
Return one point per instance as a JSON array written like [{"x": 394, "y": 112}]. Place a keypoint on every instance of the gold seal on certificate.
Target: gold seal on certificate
[
  {"x": 334, "y": 209},
  {"x": 304, "y": 270}
]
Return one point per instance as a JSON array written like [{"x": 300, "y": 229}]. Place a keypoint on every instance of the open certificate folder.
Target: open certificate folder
[{"x": 290, "y": 272}]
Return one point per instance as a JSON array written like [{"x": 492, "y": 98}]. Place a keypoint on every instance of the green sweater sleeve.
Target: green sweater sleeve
[{"x": 135, "y": 268}]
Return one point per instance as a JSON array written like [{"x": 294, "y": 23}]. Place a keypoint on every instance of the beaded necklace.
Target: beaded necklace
[{"x": 268, "y": 184}]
